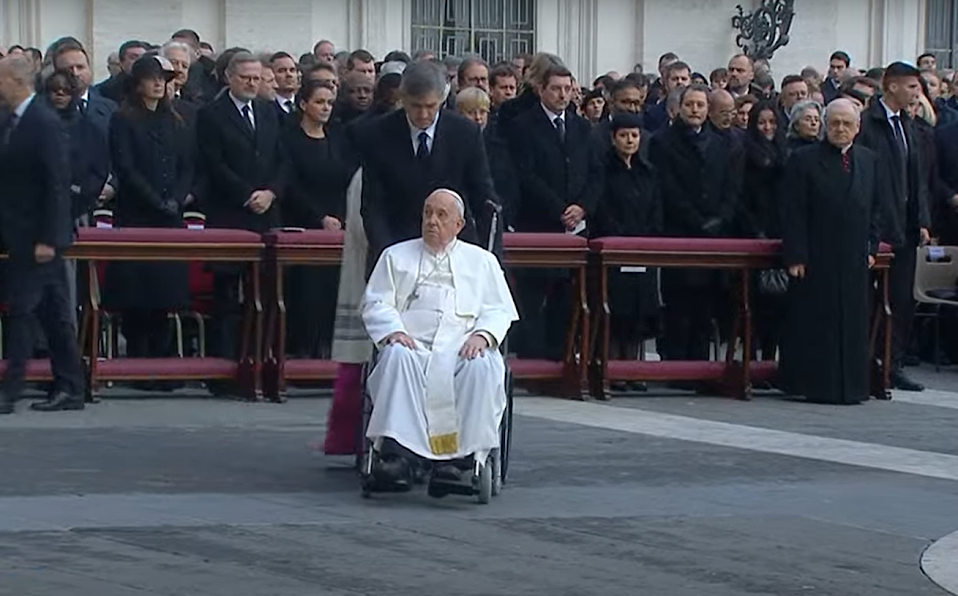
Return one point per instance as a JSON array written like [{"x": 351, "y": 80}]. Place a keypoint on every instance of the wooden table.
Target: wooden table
[
  {"x": 741, "y": 255},
  {"x": 174, "y": 244},
  {"x": 556, "y": 251},
  {"x": 283, "y": 249}
]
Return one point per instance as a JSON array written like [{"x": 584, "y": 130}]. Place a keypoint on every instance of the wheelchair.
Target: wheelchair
[{"x": 481, "y": 480}]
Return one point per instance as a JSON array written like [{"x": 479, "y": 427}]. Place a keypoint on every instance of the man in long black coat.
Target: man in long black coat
[
  {"x": 411, "y": 152},
  {"x": 35, "y": 227},
  {"x": 560, "y": 176},
  {"x": 831, "y": 222},
  {"x": 889, "y": 131},
  {"x": 241, "y": 162},
  {"x": 698, "y": 181}
]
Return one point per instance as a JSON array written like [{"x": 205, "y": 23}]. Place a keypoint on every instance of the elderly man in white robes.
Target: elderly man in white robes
[{"x": 438, "y": 308}]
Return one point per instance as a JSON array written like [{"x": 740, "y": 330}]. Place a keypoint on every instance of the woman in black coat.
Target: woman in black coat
[
  {"x": 152, "y": 150},
  {"x": 760, "y": 212},
  {"x": 630, "y": 205},
  {"x": 89, "y": 152},
  {"x": 320, "y": 169}
]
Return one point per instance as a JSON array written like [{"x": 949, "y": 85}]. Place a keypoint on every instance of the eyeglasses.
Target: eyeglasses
[{"x": 249, "y": 78}]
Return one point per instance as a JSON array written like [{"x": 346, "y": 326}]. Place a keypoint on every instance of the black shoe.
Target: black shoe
[
  {"x": 903, "y": 383},
  {"x": 910, "y": 360},
  {"x": 6, "y": 407},
  {"x": 61, "y": 402},
  {"x": 448, "y": 472},
  {"x": 394, "y": 472}
]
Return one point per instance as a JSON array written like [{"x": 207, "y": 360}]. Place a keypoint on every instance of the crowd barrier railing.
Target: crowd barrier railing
[
  {"x": 584, "y": 372},
  {"x": 320, "y": 248},
  {"x": 742, "y": 256},
  {"x": 242, "y": 248}
]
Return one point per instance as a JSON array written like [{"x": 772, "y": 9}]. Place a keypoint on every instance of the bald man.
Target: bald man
[
  {"x": 438, "y": 308},
  {"x": 35, "y": 227},
  {"x": 832, "y": 197}
]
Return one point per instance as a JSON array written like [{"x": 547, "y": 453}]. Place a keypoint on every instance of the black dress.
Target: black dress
[
  {"x": 630, "y": 205},
  {"x": 320, "y": 171},
  {"x": 153, "y": 160},
  {"x": 760, "y": 217},
  {"x": 831, "y": 225}
]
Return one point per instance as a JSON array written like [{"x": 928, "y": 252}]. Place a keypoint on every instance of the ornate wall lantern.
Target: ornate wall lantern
[{"x": 765, "y": 29}]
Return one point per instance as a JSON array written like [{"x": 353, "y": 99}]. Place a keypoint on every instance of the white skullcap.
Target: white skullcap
[{"x": 460, "y": 204}]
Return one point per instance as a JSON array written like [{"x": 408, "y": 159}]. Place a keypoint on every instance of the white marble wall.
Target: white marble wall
[{"x": 594, "y": 36}]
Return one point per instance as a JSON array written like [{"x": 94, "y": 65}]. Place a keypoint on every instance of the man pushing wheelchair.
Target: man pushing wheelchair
[{"x": 437, "y": 309}]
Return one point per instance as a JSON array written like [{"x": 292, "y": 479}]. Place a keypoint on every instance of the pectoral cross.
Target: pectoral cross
[{"x": 411, "y": 298}]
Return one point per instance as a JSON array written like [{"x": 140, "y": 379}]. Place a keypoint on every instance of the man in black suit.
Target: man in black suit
[
  {"x": 241, "y": 160},
  {"x": 35, "y": 225},
  {"x": 411, "y": 152},
  {"x": 560, "y": 176},
  {"x": 888, "y": 130},
  {"x": 699, "y": 185}
]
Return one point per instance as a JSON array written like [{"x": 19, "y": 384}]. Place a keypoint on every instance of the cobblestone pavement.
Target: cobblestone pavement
[{"x": 669, "y": 494}]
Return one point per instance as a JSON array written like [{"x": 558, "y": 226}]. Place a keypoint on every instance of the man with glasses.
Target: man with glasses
[{"x": 241, "y": 157}]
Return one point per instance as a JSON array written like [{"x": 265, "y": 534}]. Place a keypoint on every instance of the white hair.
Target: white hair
[
  {"x": 176, "y": 45},
  {"x": 837, "y": 103}
]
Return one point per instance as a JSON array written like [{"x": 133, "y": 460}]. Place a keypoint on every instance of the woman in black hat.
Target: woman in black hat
[
  {"x": 153, "y": 159},
  {"x": 630, "y": 205}
]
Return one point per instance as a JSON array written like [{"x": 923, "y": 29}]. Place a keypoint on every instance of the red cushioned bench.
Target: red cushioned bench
[
  {"x": 742, "y": 255},
  {"x": 175, "y": 244},
  {"x": 285, "y": 248},
  {"x": 556, "y": 251}
]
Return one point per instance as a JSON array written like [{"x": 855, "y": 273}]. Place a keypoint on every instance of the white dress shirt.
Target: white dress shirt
[
  {"x": 240, "y": 104},
  {"x": 430, "y": 134}
]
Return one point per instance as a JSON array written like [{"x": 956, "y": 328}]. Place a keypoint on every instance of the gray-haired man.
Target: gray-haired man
[{"x": 413, "y": 151}]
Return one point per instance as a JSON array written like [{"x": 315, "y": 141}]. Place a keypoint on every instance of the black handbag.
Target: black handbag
[{"x": 773, "y": 281}]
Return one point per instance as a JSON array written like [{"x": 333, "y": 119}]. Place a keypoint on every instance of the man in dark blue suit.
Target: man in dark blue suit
[
  {"x": 35, "y": 226},
  {"x": 560, "y": 175},
  {"x": 411, "y": 152}
]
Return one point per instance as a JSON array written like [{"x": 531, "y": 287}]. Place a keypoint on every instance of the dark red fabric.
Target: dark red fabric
[
  {"x": 304, "y": 238},
  {"x": 345, "y": 414},
  {"x": 536, "y": 369},
  {"x": 197, "y": 368},
  {"x": 680, "y": 245},
  {"x": 513, "y": 240},
  {"x": 171, "y": 235},
  {"x": 676, "y": 370}
]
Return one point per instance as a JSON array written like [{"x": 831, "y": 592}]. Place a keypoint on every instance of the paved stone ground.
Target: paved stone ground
[{"x": 183, "y": 495}]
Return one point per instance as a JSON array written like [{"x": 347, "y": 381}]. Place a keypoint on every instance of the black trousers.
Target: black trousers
[
  {"x": 688, "y": 319},
  {"x": 41, "y": 291},
  {"x": 901, "y": 280},
  {"x": 227, "y": 315},
  {"x": 545, "y": 304}
]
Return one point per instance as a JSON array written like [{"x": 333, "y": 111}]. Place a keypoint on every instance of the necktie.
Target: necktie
[
  {"x": 422, "y": 152},
  {"x": 249, "y": 120},
  {"x": 902, "y": 153},
  {"x": 846, "y": 162},
  {"x": 82, "y": 105},
  {"x": 560, "y": 126},
  {"x": 899, "y": 134},
  {"x": 7, "y": 129},
  {"x": 289, "y": 106}
]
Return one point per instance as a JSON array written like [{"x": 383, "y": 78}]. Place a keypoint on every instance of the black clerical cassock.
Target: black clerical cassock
[{"x": 831, "y": 226}]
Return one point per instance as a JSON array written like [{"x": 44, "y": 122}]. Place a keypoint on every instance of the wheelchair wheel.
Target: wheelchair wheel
[
  {"x": 484, "y": 492},
  {"x": 505, "y": 431}
]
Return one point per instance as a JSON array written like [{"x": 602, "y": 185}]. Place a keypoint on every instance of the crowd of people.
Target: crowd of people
[{"x": 335, "y": 140}]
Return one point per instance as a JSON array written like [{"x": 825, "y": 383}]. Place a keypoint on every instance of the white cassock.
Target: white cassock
[{"x": 429, "y": 400}]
